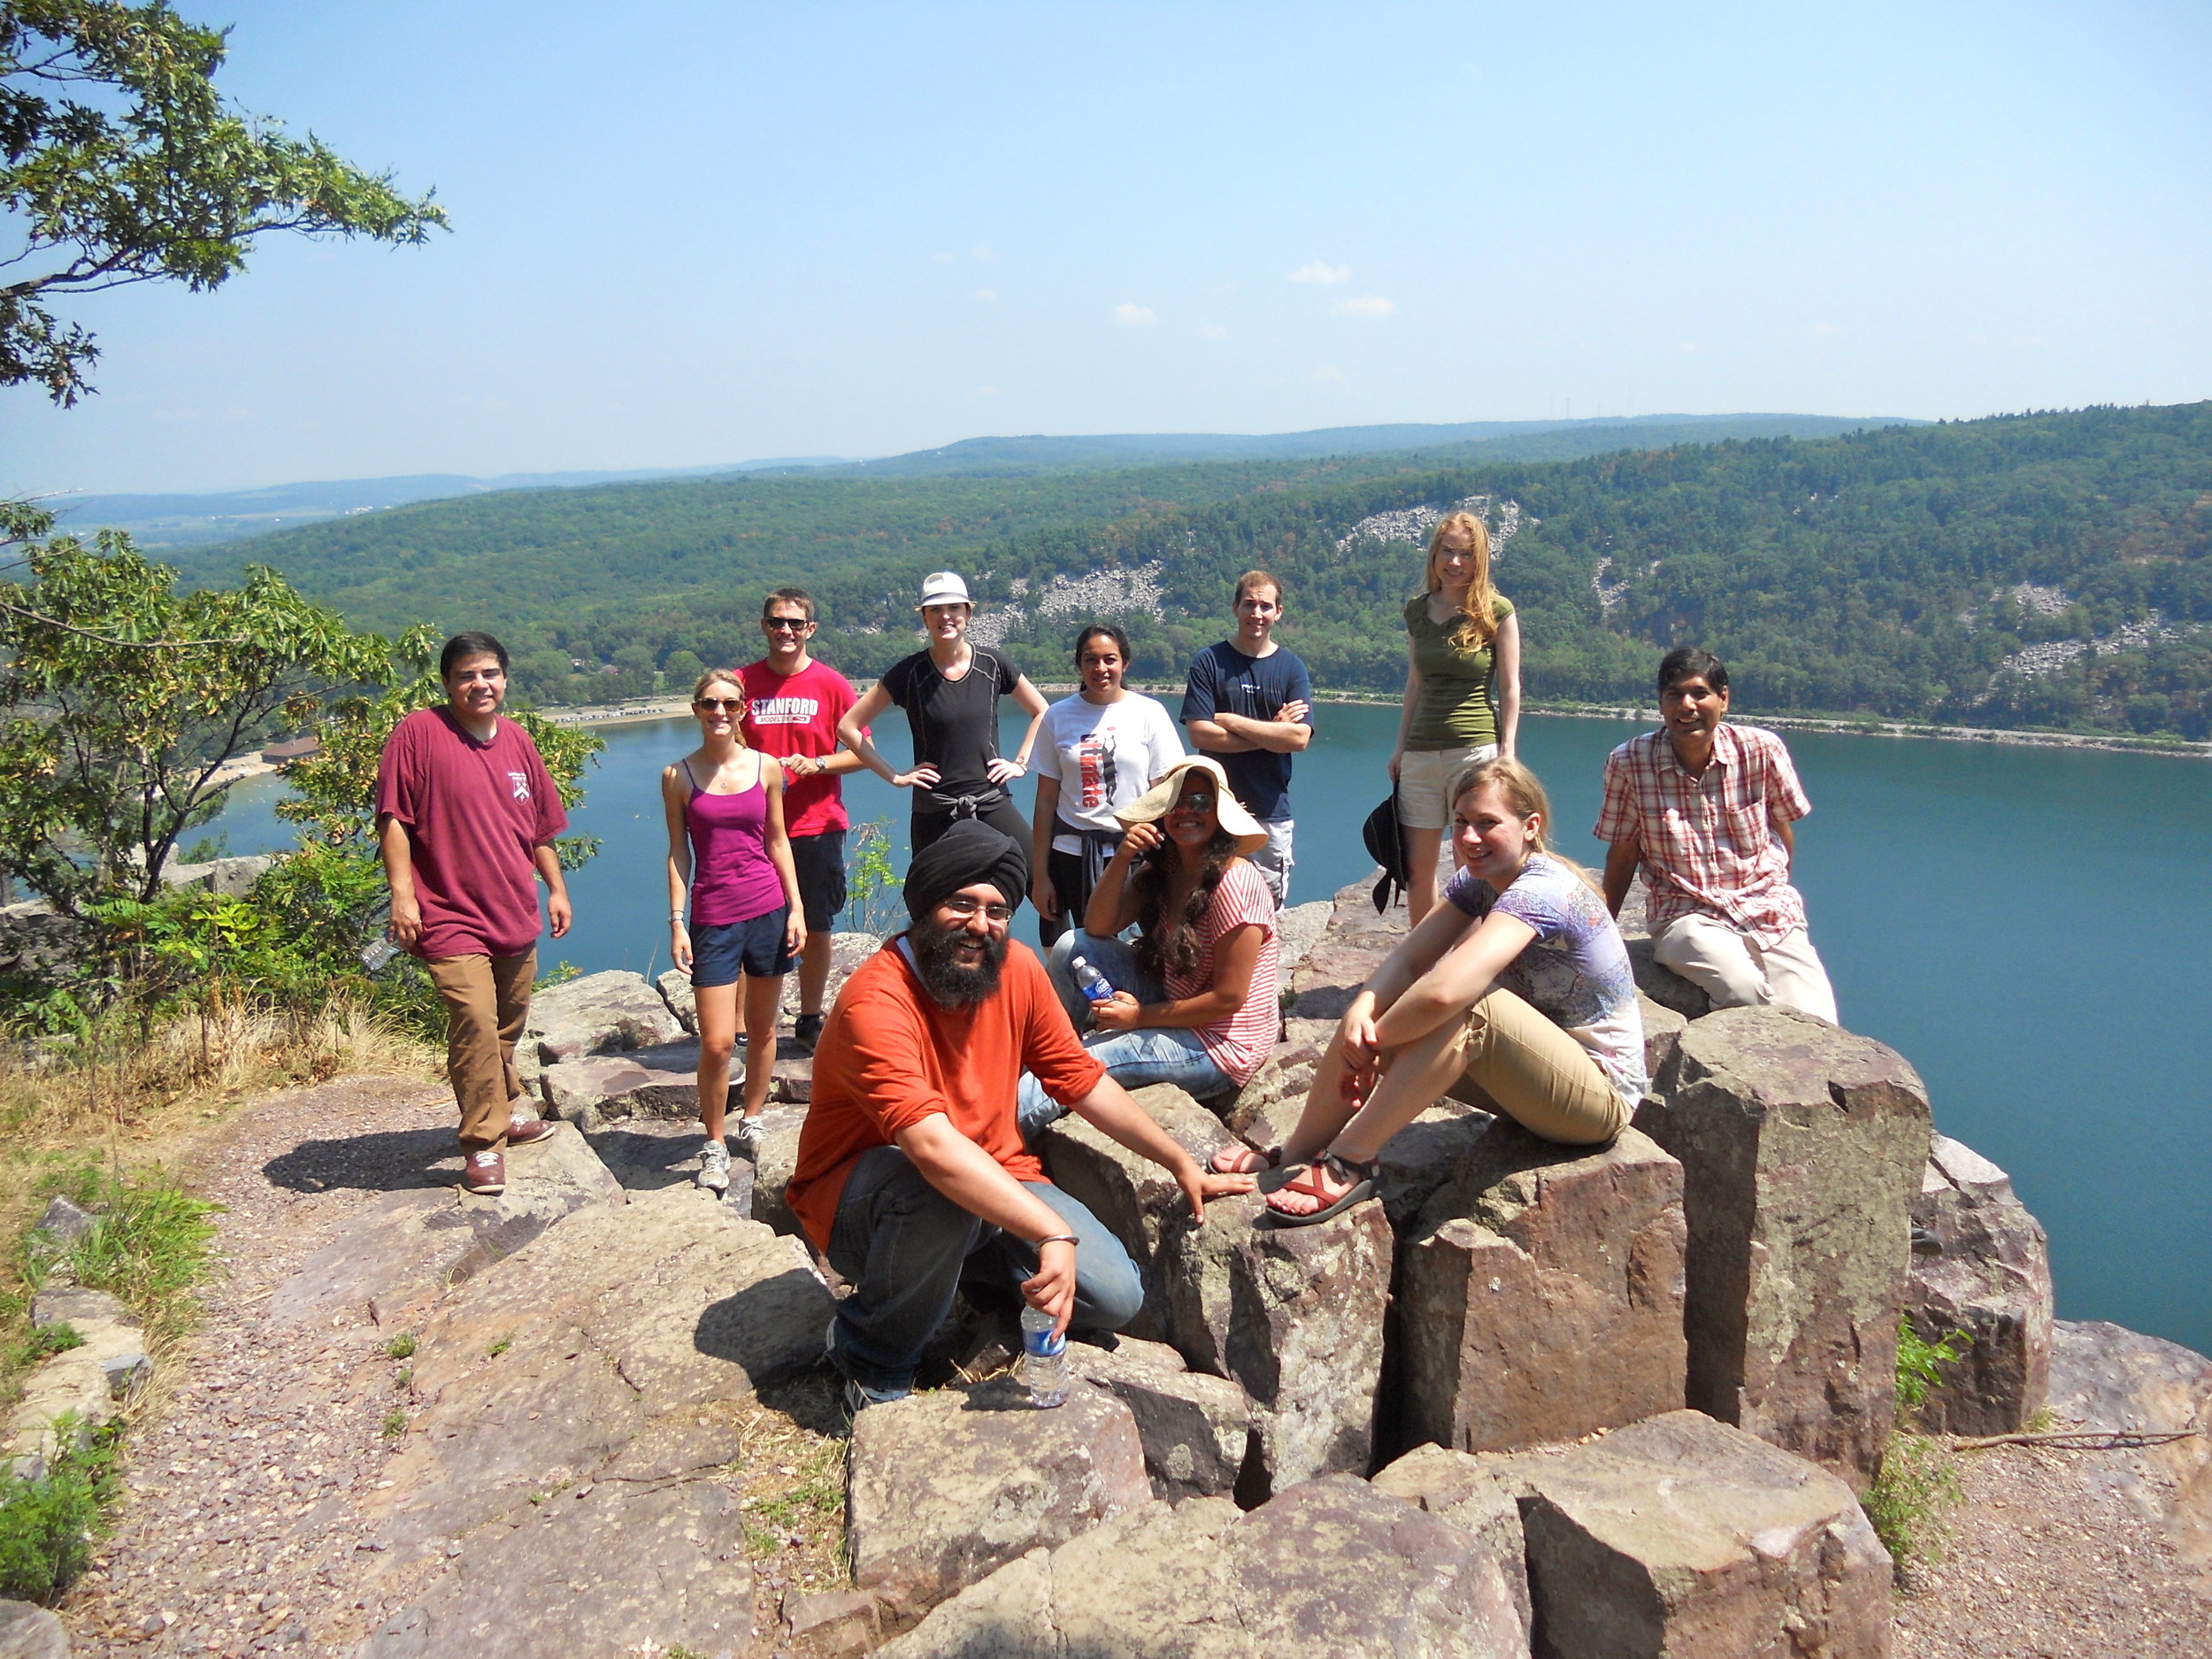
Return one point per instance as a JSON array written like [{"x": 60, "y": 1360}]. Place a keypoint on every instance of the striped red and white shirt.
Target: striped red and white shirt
[
  {"x": 1709, "y": 843},
  {"x": 1240, "y": 1044}
]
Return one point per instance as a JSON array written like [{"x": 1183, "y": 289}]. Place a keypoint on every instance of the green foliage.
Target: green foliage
[
  {"x": 1910, "y": 1502},
  {"x": 395, "y": 1423},
  {"x": 1920, "y": 1362},
  {"x": 48, "y": 1524},
  {"x": 148, "y": 1246},
  {"x": 121, "y": 699},
  {"x": 401, "y": 1347},
  {"x": 43, "y": 1342},
  {"x": 873, "y": 886},
  {"x": 500, "y": 1346},
  {"x": 121, "y": 163}
]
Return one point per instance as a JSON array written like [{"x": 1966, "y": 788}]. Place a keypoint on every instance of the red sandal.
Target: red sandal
[
  {"x": 1358, "y": 1182},
  {"x": 1270, "y": 1159}
]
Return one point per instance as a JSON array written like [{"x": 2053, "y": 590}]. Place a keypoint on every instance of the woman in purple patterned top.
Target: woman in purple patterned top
[{"x": 1515, "y": 995}]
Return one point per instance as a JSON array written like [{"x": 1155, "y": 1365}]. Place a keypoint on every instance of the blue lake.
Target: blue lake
[{"x": 2002, "y": 916}]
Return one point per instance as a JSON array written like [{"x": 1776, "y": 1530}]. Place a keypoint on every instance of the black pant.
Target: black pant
[{"x": 1005, "y": 817}]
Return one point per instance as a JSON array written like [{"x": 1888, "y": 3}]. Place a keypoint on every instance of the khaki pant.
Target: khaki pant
[
  {"x": 486, "y": 1000},
  {"x": 1737, "y": 971},
  {"x": 1513, "y": 1060}
]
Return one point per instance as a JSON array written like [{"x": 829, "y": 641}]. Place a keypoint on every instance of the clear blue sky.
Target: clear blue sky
[{"x": 687, "y": 234}]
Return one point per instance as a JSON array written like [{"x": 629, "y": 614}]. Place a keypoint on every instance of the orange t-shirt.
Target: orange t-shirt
[{"x": 889, "y": 1056}]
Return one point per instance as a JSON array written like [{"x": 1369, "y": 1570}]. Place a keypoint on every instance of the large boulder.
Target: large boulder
[
  {"x": 31, "y": 1633},
  {"x": 775, "y": 1161},
  {"x": 1137, "y": 1200},
  {"x": 1661, "y": 986},
  {"x": 595, "y": 1014},
  {"x": 1676, "y": 1536},
  {"x": 80, "y": 1385},
  {"x": 1347, "y": 953},
  {"x": 1802, "y": 1147},
  {"x": 1295, "y": 1314},
  {"x": 945, "y": 1485},
  {"x": 1333, "y": 1567},
  {"x": 2110, "y": 1378},
  {"x": 1540, "y": 1265},
  {"x": 395, "y": 1257},
  {"x": 626, "y": 1344},
  {"x": 1981, "y": 1272},
  {"x": 1196, "y": 1427},
  {"x": 595, "y": 1089}
]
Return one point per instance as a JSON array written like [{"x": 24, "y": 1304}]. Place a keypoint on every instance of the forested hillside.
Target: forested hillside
[{"x": 2045, "y": 569}]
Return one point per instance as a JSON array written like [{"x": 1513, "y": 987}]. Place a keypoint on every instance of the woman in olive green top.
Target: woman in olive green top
[{"x": 1463, "y": 701}]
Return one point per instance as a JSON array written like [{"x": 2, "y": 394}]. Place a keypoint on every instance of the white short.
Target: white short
[{"x": 1425, "y": 778}]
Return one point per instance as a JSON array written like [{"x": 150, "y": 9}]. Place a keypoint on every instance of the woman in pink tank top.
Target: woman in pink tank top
[{"x": 726, "y": 847}]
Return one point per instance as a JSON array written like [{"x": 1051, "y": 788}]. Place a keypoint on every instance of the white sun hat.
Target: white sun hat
[
  {"x": 944, "y": 588},
  {"x": 1153, "y": 804}
]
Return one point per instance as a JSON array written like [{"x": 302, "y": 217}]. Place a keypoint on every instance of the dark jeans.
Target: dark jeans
[{"x": 901, "y": 1243}]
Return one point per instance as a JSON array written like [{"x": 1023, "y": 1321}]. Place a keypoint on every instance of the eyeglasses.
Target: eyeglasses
[
  {"x": 1196, "y": 801},
  {"x": 732, "y": 705},
  {"x": 961, "y": 905},
  {"x": 785, "y": 624}
]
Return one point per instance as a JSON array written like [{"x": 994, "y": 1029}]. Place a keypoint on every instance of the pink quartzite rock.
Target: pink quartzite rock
[
  {"x": 1196, "y": 1427},
  {"x": 1802, "y": 1147},
  {"x": 1295, "y": 1314},
  {"x": 945, "y": 1485},
  {"x": 1981, "y": 1272},
  {"x": 1331, "y": 1567},
  {"x": 1350, "y": 949},
  {"x": 1676, "y": 1538},
  {"x": 1539, "y": 1297}
]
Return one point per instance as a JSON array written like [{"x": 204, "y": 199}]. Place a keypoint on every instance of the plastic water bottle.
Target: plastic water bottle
[
  {"x": 1044, "y": 1359},
  {"x": 1093, "y": 985},
  {"x": 378, "y": 955}
]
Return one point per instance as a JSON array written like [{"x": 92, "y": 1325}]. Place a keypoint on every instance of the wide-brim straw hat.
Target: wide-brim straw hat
[{"x": 1153, "y": 804}]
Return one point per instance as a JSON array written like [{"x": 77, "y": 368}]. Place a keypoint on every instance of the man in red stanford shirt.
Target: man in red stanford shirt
[
  {"x": 792, "y": 706},
  {"x": 911, "y": 1160},
  {"x": 466, "y": 818}
]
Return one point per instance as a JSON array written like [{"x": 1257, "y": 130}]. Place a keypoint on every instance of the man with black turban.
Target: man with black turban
[{"x": 911, "y": 1160}]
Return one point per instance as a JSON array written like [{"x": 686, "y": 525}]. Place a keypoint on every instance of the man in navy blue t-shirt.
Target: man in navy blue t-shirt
[{"x": 1250, "y": 703}]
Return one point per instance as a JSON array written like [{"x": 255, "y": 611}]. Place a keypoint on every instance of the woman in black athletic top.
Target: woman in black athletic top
[{"x": 951, "y": 693}]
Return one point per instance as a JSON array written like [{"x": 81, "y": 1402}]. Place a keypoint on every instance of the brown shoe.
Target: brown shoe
[
  {"x": 483, "y": 1172},
  {"x": 522, "y": 1130}
]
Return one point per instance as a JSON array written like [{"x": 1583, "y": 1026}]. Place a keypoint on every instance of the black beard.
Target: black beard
[{"x": 950, "y": 984}]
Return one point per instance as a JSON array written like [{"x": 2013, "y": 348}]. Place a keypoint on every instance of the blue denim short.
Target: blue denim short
[{"x": 720, "y": 950}]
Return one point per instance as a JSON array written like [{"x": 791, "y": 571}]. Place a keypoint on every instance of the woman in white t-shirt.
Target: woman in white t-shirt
[
  {"x": 1097, "y": 752},
  {"x": 1194, "y": 1000},
  {"x": 1515, "y": 995}
]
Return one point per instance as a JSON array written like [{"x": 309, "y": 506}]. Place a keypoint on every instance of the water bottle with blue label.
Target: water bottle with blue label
[
  {"x": 1044, "y": 1359},
  {"x": 1094, "y": 986}
]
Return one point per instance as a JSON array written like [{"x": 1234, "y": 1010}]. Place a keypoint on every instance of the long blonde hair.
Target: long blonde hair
[{"x": 1478, "y": 621}]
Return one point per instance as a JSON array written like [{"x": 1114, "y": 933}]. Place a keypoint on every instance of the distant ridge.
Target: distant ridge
[{"x": 186, "y": 519}]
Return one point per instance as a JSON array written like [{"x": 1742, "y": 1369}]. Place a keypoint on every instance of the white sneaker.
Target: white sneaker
[
  {"x": 745, "y": 1136},
  {"x": 714, "y": 1167}
]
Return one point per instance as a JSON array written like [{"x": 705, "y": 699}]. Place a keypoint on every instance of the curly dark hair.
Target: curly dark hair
[{"x": 1165, "y": 946}]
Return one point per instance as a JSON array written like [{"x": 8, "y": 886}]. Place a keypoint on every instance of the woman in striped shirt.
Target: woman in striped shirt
[{"x": 1194, "y": 1000}]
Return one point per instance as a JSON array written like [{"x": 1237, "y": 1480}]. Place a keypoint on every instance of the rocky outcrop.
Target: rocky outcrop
[
  {"x": 1294, "y": 1314},
  {"x": 1802, "y": 1147},
  {"x": 1137, "y": 1200},
  {"x": 31, "y": 1633},
  {"x": 1676, "y": 1536},
  {"x": 1333, "y": 1567},
  {"x": 394, "y": 1258},
  {"x": 1540, "y": 1294},
  {"x": 2107, "y": 1378},
  {"x": 595, "y": 1014},
  {"x": 776, "y": 1160},
  {"x": 1197, "y": 1428},
  {"x": 944, "y": 1487},
  {"x": 1343, "y": 958},
  {"x": 1981, "y": 1274},
  {"x": 77, "y": 1390}
]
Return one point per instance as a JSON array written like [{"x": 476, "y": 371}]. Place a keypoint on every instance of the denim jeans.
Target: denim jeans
[
  {"x": 902, "y": 1244},
  {"x": 1132, "y": 1058}
]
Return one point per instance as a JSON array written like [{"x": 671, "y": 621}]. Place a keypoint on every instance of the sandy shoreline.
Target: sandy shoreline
[{"x": 633, "y": 713}]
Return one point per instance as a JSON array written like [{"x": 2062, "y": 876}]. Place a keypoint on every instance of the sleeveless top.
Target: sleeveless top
[
  {"x": 1454, "y": 709},
  {"x": 733, "y": 878}
]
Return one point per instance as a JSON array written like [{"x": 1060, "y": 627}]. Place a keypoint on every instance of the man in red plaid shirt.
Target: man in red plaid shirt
[{"x": 1706, "y": 809}]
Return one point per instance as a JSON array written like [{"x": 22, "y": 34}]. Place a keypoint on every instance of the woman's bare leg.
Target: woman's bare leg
[
  {"x": 1421, "y": 849},
  {"x": 1419, "y": 1072},
  {"x": 717, "y": 1036},
  {"x": 762, "y": 999}
]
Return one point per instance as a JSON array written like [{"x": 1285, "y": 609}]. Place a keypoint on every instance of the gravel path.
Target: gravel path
[
  {"x": 2056, "y": 1557},
  {"x": 238, "y": 1535}
]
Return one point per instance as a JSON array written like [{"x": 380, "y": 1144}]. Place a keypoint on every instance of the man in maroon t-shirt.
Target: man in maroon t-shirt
[
  {"x": 466, "y": 818},
  {"x": 792, "y": 706}
]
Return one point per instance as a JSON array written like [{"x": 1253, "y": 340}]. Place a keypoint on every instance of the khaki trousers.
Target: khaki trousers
[
  {"x": 1737, "y": 971},
  {"x": 486, "y": 1000},
  {"x": 1513, "y": 1060}
]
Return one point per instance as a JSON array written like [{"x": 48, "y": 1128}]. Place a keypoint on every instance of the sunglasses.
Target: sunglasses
[
  {"x": 785, "y": 624},
  {"x": 965, "y": 908},
  {"x": 730, "y": 705},
  {"x": 1195, "y": 801}
]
